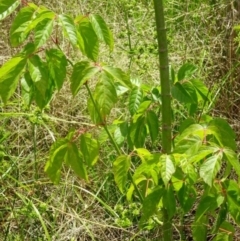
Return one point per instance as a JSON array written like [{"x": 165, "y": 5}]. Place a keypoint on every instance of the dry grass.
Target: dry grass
[{"x": 29, "y": 203}]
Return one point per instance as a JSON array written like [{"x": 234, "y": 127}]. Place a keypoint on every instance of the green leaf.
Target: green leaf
[
  {"x": 105, "y": 94},
  {"x": 169, "y": 202},
  {"x": 89, "y": 148},
  {"x": 178, "y": 179},
  {"x": 142, "y": 109},
  {"x": 222, "y": 214},
  {"x": 191, "y": 172},
  {"x": 54, "y": 163},
  {"x": 199, "y": 229},
  {"x": 88, "y": 40},
  {"x": 74, "y": 159},
  {"x": 194, "y": 129},
  {"x": 98, "y": 120},
  {"x": 144, "y": 170},
  {"x": 120, "y": 170},
  {"x": 19, "y": 26},
  {"x": 101, "y": 29},
  {"x": 223, "y": 132},
  {"x": 233, "y": 199},
  {"x": 138, "y": 132},
  {"x": 181, "y": 94},
  {"x": 132, "y": 188},
  {"x": 185, "y": 124},
  {"x": 27, "y": 89},
  {"x": 189, "y": 88},
  {"x": 202, "y": 153},
  {"x": 7, "y": 7},
  {"x": 187, "y": 196},
  {"x": 41, "y": 15},
  {"x": 188, "y": 145},
  {"x": 167, "y": 167},
  {"x": 210, "y": 168},
  {"x": 153, "y": 125},
  {"x": 186, "y": 71},
  {"x": 118, "y": 75},
  {"x": 118, "y": 136},
  {"x": 69, "y": 28},
  {"x": 150, "y": 204},
  {"x": 43, "y": 31},
  {"x": 9, "y": 76},
  {"x": 57, "y": 65},
  {"x": 28, "y": 49},
  {"x": 232, "y": 159},
  {"x": 135, "y": 99},
  {"x": 201, "y": 89},
  {"x": 82, "y": 72},
  {"x": 225, "y": 233},
  {"x": 207, "y": 203},
  {"x": 39, "y": 74}
]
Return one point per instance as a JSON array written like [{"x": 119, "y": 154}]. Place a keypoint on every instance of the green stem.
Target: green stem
[
  {"x": 166, "y": 101},
  {"x": 164, "y": 77},
  {"x": 119, "y": 152}
]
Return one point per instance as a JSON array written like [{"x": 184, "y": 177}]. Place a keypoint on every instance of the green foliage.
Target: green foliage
[
  {"x": 9, "y": 76},
  {"x": 7, "y": 7},
  {"x": 89, "y": 148},
  {"x": 82, "y": 71},
  {"x": 150, "y": 204},
  {"x": 161, "y": 182},
  {"x": 69, "y": 28},
  {"x": 135, "y": 99},
  {"x": 18, "y": 33},
  {"x": 65, "y": 150},
  {"x": 57, "y": 65},
  {"x": 101, "y": 29},
  {"x": 120, "y": 169}
]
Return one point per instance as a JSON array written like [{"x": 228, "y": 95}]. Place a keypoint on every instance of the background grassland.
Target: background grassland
[{"x": 31, "y": 207}]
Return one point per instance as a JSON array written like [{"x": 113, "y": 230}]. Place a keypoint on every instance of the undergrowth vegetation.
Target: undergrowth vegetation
[{"x": 95, "y": 129}]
